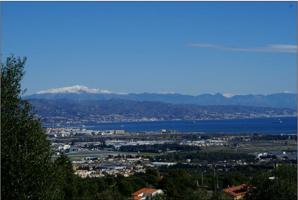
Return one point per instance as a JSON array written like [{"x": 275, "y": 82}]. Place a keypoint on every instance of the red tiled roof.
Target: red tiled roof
[
  {"x": 142, "y": 192},
  {"x": 236, "y": 191}
]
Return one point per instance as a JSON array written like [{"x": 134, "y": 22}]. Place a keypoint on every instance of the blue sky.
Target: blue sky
[{"x": 189, "y": 48}]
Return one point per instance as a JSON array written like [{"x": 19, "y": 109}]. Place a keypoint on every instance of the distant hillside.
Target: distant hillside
[
  {"x": 89, "y": 111},
  {"x": 279, "y": 100}
]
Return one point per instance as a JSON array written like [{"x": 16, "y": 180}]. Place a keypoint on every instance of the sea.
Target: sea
[{"x": 282, "y": 125}]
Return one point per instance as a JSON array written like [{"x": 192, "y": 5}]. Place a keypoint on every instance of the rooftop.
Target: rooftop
[
  {"x": 236, "y": 191},
  {"x": 145, "y": 192}
]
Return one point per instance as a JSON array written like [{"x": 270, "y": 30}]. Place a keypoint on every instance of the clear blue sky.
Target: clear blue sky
[{"x": 189, "y": 48}]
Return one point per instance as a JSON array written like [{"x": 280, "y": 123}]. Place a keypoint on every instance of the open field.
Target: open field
[
  {"x": 254, "y": 147},
  {"x": 102, "y": 154}
]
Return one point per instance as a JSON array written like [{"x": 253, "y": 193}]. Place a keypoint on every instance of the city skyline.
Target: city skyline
[{"x": 188, "y": 48}]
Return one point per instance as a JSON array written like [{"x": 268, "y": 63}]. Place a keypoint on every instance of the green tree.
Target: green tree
[
  {"x": 159, "y": 197},
  {"x": 64, "y": 178},
  {"x": 281, "y": 186},
  {"x": 220, "y": 196},
  {"x": 177, "y": 184},
  {"x": 110, "y": 195},
  {"x": 26, "y": 167},
  {"x": 125, "y": 187},
  {"x": 198, "y": 194}
]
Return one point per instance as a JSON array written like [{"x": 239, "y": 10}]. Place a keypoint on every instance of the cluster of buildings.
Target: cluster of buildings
[
  {"x": 104, "y": 147},
  {"x": 79, "y": 120},
  {"x": 69, "y": 132},
  {"x": 111, "y": 165},
  {"x": 277, "y": 155},
  {"x": 65, "y": 140},
  {"x": 205, "y": 143}
]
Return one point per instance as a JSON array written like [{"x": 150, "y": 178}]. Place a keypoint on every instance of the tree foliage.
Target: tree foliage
[
  {"x": 279, "y": 184},
  {"x": 25, "y": 151},
  {"x": 27, "y": 168}
]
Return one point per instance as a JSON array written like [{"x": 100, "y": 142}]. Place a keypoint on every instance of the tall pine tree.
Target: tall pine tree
[{"x": 26, "y": 166}]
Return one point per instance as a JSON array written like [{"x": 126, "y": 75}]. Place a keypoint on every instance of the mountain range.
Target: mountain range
[{"x": 77, "y": 92}]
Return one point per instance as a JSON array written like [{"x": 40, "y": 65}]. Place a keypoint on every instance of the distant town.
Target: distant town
[{"x": 116, "y": 152}]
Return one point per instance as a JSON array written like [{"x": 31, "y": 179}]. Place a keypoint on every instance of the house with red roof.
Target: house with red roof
[
  {"x": 237, "y": 192},
  {"x": 146, "y": 194}
]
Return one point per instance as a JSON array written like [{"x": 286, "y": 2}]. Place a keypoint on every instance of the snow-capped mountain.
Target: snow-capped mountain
[
  {"x": 74, "y": 89},
  {"x": 79, "y": 92}
]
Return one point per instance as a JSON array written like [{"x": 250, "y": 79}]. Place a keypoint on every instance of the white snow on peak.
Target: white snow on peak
[
  {"x": 287, "y": 92},
  {"x": 228, "y": 95},
  {"x": 75, "y": 89}
]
